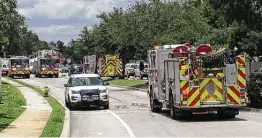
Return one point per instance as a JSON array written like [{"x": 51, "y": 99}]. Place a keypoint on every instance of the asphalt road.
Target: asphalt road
[{"x": 130, "y": 116}]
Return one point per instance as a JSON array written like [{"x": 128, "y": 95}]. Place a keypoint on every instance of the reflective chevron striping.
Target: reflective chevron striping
[
  {"x": 20, "y": 72},
  {"x": 241, "y": 71},
  {"x": 184, "y": 85},
  {"x": 49, "y": 72},
  {"x": 233, "y": 95},
  {"x": 241, "y": 78},
  {"x": 218, "y": 91},
  {"x": 194, "y": 97}
]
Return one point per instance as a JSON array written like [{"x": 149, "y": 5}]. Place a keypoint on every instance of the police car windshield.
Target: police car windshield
[{"x": 87, "y": 81}]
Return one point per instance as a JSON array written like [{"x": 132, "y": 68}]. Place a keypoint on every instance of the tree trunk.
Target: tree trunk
[
  {"x": 123, "y": 65},
  {"x": 96, "y": 72}
]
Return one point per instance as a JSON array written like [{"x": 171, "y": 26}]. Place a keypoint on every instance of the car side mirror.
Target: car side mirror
[
  {"x": 66, "y": 85},
  {"x": 106, "y": 83}
]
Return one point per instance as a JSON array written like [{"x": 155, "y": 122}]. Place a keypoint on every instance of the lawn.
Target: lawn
[
  {"x": 10, "y": 107},
  {"x": 131, "y": 83},
  {"x": 55, "y": 123}
]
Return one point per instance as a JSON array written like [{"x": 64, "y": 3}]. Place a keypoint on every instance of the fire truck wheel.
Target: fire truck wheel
[
  {"x": 154, "y": 105},
  {"x": 223, "y": 115},
  {"x": 106, "y": 106},
  {"x": 173, "y": 110},
  {"x": 56, "y": 76}
]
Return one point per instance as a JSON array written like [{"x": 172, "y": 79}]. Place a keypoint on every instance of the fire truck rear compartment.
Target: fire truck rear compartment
[{"x": 196, "y": 83}]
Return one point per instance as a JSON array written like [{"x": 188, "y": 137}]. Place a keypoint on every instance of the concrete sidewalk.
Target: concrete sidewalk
[{"x": 33, "y": 120}]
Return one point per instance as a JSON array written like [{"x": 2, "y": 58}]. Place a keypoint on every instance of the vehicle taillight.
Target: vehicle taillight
[
  {"x": 13, "y": 68},
  {"x": 56, "y": 69},
  {"x": 27, "y": 68},
  {"x": 43, "y": 68},
  {"x": 185, "y": 97}
]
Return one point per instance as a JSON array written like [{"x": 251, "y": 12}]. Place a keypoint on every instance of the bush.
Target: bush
[{"x": 254, "y": 90}]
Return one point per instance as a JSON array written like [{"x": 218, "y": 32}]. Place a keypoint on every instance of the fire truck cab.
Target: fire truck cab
[
  {"x": 199, "y": 80},
  {"x": 19, "y": 66},
  {"x": 46, "y": 63}
]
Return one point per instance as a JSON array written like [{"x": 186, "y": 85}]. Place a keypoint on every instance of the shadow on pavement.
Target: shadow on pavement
[
  {"x": 87, "y": 108},
  {"x": 212, "y": 117}
]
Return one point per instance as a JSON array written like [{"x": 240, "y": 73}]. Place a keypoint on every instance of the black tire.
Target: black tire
[
  {"x": 153, "y": 104},
  {"x": 56, "y": 76},
  {"x": 66, "y": 103},
  {"x": 70, "y": 107},
  {"x": 106, "y": 106},
  {"x": 222, "y": 115},
  {"x": 173, "y": 110}
]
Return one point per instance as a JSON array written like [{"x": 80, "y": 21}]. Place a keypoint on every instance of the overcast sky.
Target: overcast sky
[{"x": 62, "y": 20}]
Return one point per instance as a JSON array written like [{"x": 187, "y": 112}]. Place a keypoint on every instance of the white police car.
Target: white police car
[{"x": 86, "y": 90}]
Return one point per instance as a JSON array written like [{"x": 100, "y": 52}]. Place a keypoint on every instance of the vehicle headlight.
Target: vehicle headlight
[
  {"x": 102, "y": 91},
  {"x": 75, "y": 92}
]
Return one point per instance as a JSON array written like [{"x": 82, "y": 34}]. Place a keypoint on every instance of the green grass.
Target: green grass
[
  {"x": 55, "y": 123},
  {"x": 131, "y": 83},
  {"x": 10, "y": 107}
]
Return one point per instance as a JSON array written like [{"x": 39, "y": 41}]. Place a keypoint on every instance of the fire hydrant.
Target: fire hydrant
[{"x": 46, "y": 90}]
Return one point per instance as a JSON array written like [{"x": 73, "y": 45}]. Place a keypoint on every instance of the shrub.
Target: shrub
[{"x": 254, "y": 89}]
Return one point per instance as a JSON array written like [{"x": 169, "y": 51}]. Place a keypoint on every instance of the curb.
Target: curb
[
  {"x": 127, "y": 87},
  {"x": 66, "y": 126}
]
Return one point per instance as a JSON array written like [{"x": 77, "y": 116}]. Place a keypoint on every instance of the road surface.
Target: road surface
[{"x": 130, "y": 116}]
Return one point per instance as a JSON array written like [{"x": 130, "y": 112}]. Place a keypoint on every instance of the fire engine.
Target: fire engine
[
  {"x": 105, "y": 66},
  {"x": 46, "y": 63},
  {"x": 19, "y": 66},
  {"x": 189, "y": 80}
]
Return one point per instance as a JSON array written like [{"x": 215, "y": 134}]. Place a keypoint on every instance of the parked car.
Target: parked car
[
  {"x": 75, "y": 69},
  {"x": 84, "y": 90},
  {"x": 63, "y": 68},
  {"x": 142, "y": 73},
  {"x": 5, "y": 70},
  {"x": 130, "y": 69}
]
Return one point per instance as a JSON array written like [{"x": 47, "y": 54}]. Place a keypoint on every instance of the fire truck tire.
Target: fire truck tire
[
  {"x": 154, "y": 105},
  {"x": 56, "y": 76},
  {"x": 173, "y": 110},
  {"x": 106, "y": 106},
  {"x": 223, "y": 115}
]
